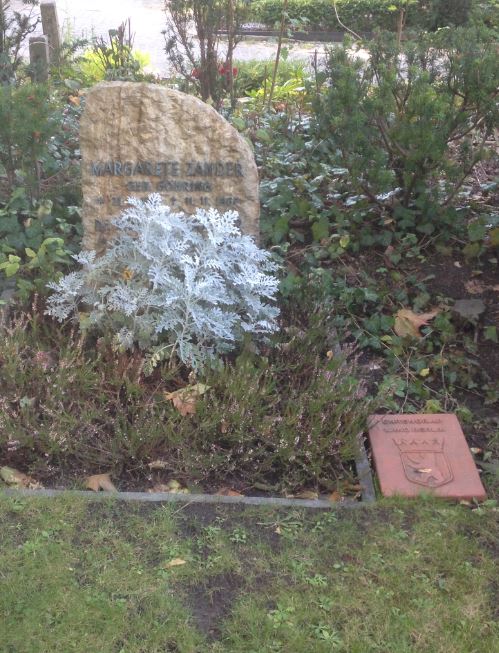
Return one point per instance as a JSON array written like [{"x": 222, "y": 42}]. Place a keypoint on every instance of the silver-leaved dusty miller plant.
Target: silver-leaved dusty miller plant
[{"x": 175, "y": 284}]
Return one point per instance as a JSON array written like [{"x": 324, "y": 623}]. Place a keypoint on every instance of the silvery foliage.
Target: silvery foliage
[{"x": 174, "y": 284}]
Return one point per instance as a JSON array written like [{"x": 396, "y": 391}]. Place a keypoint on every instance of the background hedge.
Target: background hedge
[{"x": 368, "y": 15}]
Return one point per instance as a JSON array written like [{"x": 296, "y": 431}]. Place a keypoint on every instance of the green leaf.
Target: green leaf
[
  {"x": 72, "y": 84},
  {"x": 344, "y": 241},
  {"x": 476, "y": 231},
  {"x": 238, "y": 122},
  {"x": 29, "y": 252},
  {"x": 320, "y": 229},
  {"x": 472, "y": 250},
  {"x": 11, "y": 269},
  {"x": 490, "y": 333},
  {"x": 427, "y": 228},
  {"x": 281, "y": 228},
  {"x": 263, "y": 135}
]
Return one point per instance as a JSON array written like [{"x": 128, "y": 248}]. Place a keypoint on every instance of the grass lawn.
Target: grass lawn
[{"x": 105, "y": 576}]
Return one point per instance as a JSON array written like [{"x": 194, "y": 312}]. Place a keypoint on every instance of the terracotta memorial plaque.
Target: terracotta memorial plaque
[
  {"x": 423, "y": 453},
  {"x": 138, "y": 138}
]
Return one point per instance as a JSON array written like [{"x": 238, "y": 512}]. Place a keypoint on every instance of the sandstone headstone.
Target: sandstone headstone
[
  {"x": 138, "y": 138},
  {"x": 423, "y": 453}
]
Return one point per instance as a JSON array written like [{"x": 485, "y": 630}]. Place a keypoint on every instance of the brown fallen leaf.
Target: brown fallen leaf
[
  {"x": 335, "y": 496},
  {"x": 158, "y": 464},
  {"x": 227, "y": 492},
  {"x": 474, "y": 287},
  {"x": 158, "y": 487},
  {"x": 305, "y": 494},
  {"x": 408, "y": 323},
  {"x": 353, "y": 487},
  {"x": 13, "y": 477},
  {"x": 184, "y": 400},
  {"x": 100, "y": 482},
  {"x": 386, "y": 256},
  {"x": 176, "y": 562},
  {"x": 173, "y": 487}
]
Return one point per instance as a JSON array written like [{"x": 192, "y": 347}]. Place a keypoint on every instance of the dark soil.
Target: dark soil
[
  {"x": 457, "y": 280},
  {"x": 211, "y": 602}
]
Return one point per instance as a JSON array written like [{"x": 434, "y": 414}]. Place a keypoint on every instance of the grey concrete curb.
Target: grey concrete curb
[
  {"x": 363, "y": 469},
  {"x": 168, "y": 497}
]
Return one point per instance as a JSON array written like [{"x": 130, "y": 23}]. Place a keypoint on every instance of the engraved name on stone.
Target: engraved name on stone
[{"x": 138, "y": 139}]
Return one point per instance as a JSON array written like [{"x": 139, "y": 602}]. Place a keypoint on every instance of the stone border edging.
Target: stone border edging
[
  {"x": 362, "y": 465},
  {"x": 168, "y": 497}
]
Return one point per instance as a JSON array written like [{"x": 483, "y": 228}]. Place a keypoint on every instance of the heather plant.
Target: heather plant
[{"x": 181, "y": 286}]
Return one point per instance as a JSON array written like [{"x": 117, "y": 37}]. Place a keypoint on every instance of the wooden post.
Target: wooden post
[
  {"x": 50, "y": 25},
  {"x": 39, "y": 58}
]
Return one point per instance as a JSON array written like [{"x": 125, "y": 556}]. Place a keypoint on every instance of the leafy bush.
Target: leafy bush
[
  {"x": 39, "y": 152},
  {"x": 36, "y": 239},
  {"x": 114, "y": 59},
  {"x": 409, "y": 129},
  {"x": 253, "y": 76},
  {"x": 195, "y": 284},
  {"x": 365, "y": 15}
]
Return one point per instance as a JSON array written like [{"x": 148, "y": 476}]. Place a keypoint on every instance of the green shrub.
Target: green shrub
[
  {"x": 94, "y": 69},
  {"x": 35, "y": 237},
  {"x": 28, "y": 119},
  {"x": 252, "y": 76},
  {"x": 15, "y": 27},
  {"x": 114, "y": 58},
  {"x": 412, "y": 126},
  {"x": 366, "y": 15}
]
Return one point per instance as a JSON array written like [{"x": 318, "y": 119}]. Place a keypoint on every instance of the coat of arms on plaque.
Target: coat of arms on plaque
[{"x": 424, "y": 461}]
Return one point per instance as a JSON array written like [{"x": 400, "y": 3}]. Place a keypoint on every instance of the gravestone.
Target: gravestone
[
  {"x": 423, "y": 453},
  {"x": 138, "y": 138}
]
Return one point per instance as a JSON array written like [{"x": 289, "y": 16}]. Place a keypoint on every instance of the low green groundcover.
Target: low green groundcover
[{"x": 112, "y": 577}]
